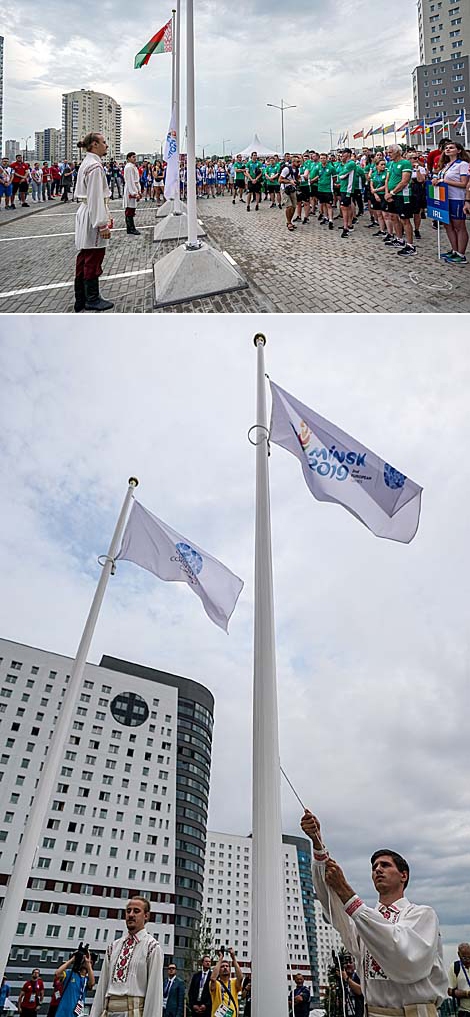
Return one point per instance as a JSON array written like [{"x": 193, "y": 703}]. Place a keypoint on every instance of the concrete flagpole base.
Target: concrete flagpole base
[
  {"x": 175, "y": 227},
  {"x": 168, "y": 208},
  {"x": 188, "y": 273}
]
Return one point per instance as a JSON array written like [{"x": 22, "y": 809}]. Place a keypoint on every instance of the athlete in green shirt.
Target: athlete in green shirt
[
  {"x": 377, "y": 180},
  {"x": 239, "y": 167},
  {"x": 253, "y": 176},
  {"x": 273, "y": 170},
  {"x": 326, "y": 176},
  {"x": 346, "y": 186},
  {"x": 398, "y": 198}
]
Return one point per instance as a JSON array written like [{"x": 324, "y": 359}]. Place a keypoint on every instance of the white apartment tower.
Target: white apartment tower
[
  {"x": 84, "y": 111},
  {"x": 227, "y": 901},
  {"x": 441, "y": 82},
  {"x": 128, "y": 811},
  {"x": 328, "y": 940}
]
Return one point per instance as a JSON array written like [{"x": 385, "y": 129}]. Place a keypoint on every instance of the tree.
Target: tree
[{"x": 200, "y": 944}]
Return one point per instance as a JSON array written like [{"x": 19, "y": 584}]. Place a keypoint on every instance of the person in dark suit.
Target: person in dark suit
[
  {"x": 199, "y": 995},
  {"x": 173, "y": 994}
]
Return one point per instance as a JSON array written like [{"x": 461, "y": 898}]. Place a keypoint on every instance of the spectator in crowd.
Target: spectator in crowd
[
  {"x": 36, "y": 182},
  {"x": 459, "y": 980},
  {"x": 288, "y": 178},
  {"x": 66, "y": 180},
  {"x": 398, "y": 199},
  {"x": 301, "y": 997},
  {"x": 246, "y": 995},
  {"x": 453, "y": 169},
  {"x": 21, "y": 178},
  {"x": 55, "y": 180},
  {"x": 199, "y": 995},
  {"x": 4, "y": 993},
  {"x": 173, "y": 994},
  {"x": 352, "y": 984},
  {"x": 253, "y": 177},
  {"x": 79, "y": 977},
  {"x": 31, "y": 995},
  {"x": 224, "y": 989},
  {"x": 6, "y": 183},
  {"x": 57, "y": 986},
  {"x": 46, "y": 182}
]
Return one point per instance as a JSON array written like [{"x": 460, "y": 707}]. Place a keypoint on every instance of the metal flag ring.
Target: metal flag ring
[
  {"x": 103, "y": 558},
  {"x": 260, "y": 427}
]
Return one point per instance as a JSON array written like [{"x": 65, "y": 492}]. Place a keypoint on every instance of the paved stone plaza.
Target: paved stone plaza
[{"x": 312, "y": 270}]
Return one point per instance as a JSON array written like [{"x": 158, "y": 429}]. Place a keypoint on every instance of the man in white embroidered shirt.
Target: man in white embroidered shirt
[
  {"x": 131, "y": 979},
  {"x": 396, "y": 945}
]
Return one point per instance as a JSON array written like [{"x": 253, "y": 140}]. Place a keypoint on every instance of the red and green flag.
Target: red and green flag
[{"x": 162, "y": 42}]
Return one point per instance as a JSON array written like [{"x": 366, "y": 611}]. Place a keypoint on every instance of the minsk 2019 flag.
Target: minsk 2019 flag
[
  {"x": 153, "y": 545},
  {"x": 172, "y": 159},
  {"x": 339, "y": 469},
  {"x": 162, "y": 42}
]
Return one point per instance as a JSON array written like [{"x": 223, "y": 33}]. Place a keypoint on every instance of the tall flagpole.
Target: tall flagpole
[
  {"x": 173, "y": 57},
  {"x": 269, "y": 955},
  {"x": 465, "y": 129},
  {"x": 176, "y": 97},
  {"x": 193, "y": 242},
  {"x": 18, "y": 883}
]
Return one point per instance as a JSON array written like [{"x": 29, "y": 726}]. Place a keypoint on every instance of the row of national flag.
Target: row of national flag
[
  {"x": 336, "y": 469},
  {"x": 420, "y": 128}
]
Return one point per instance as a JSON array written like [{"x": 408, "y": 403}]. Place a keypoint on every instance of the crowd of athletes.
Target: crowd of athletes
[{"x": 386, "y": 186}]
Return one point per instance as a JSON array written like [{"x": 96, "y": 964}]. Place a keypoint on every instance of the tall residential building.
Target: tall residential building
[
  {"x": 48, "y": 144},
  {"x": 441, "y": 82},
  {"x": 127, "y": 814},
  {"x": 12, "y": 148},
  {"x": 328, "y": 940},
  {"x": 84, "y": 111},
  {"x": 2, "y": 41},
  {"x": 227, "y": 901}
]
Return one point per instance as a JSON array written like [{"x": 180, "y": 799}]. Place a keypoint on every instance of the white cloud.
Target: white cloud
[{"x": 341, "y": 64}]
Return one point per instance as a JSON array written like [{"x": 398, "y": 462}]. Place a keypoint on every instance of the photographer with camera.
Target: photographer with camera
[
  {"x": 224, "y": 989},
  {"x": 79, "y": 977}
]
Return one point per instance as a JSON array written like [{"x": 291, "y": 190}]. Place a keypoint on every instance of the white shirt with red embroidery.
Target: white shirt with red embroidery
[
  {"x": 133, "y": 966},
  {"x": 397, "y": 948}
]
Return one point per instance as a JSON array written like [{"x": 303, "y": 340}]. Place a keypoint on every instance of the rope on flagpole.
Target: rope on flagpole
[{"x": 445, "y": 287}]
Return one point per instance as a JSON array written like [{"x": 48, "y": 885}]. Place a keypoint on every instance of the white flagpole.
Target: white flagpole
[
  {"x": 192, "y": 242},
  {"x": 176, "y": 97},
  {"x": 17, "y": 886},
  {"x": 269, "y": 975},
  {"x": 465, "y": 129},
  {"x": 173, "y": 57}
]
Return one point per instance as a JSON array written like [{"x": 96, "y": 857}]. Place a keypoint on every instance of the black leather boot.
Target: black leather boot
[
  {"x": 80, "y": 298},
  {"x": 92, "y": 296},
  {"x": 129, "y": 224}
]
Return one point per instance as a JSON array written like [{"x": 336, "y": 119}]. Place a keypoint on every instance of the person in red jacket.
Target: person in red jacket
[
  {"x": 55, "y": 178},
  {"x": 21, "y": 177},
  {"x": 434, "y": 156},
  {"x": 46, "y": 181},
  {"x": 31, "y": 995}
]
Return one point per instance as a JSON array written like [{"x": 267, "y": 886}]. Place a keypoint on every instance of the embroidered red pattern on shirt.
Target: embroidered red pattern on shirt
[
  {"x": 122, "y": 964},
  {"x": 353, "y": 906}
]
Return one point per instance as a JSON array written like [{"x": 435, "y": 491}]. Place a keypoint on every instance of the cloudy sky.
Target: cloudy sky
[
  {"x": 344, "y": 64},
  {"x": 372, "y": 636}
]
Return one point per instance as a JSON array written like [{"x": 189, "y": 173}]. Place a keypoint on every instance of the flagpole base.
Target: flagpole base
[
  {"x": 168, "y": 208},
  {"x": 175, "y": 227},
  {"x": 189, "y": 272}
]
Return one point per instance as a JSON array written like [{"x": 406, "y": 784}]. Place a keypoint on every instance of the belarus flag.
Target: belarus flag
[{"x": 162, "y": 42}]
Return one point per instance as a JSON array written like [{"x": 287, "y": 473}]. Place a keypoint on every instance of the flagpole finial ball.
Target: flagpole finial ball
[
  {"x": 259, "y": 339},
  {"x": 133, "y": 482}
]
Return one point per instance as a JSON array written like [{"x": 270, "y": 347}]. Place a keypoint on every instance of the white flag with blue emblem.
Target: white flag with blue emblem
[
  {"x": 172, "y": 159},
  {"x": 338, "y": 468},
  {"x": 153, "y": 545}
]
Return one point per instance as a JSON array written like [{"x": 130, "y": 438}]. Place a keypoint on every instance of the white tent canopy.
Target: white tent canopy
[{"x": 258, "y": 147}]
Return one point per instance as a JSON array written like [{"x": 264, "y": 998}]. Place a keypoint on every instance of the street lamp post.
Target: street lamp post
[{"x": 282, "y": 107}]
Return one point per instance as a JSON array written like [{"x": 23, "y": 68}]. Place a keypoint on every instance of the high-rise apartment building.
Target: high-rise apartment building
[
  {"x": 441, "y": 82},
  {"x": 227, "y": 901},
  {"x": 12, "y": 148},
  {"x": 328, "y": 941},
  {"x": 48, "y": 144},
  {"x": 2, "y": 41},
  {"x": 84, "y": 111},
  {"x": 127, "y": 813}
]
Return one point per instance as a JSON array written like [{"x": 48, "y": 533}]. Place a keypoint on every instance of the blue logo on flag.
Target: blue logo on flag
[
  {"x": 393, "y": 478},
  {"x": 192, "y": 558}
]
